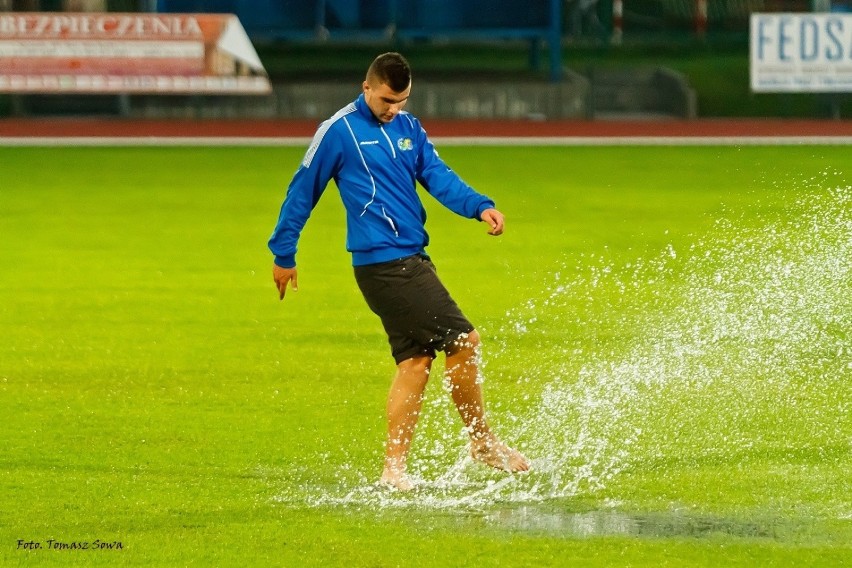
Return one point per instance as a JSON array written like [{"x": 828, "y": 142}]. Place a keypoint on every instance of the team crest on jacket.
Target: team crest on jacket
[{"x": 405, "y": 144}]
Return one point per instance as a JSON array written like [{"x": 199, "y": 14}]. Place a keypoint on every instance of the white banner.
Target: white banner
[
  {"x": 801, "y": 52},
  {"x": 128, "y": 53},
  {"x": 102, "y": 49}
]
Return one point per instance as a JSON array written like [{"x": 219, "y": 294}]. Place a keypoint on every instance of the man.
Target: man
[{"x": 376, "y": 152}]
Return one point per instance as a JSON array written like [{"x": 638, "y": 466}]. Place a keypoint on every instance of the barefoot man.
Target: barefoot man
[{"x": 376, "y": 152}]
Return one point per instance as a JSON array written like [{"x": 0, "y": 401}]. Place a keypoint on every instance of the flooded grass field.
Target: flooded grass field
[{"x": 671, "y": 350}]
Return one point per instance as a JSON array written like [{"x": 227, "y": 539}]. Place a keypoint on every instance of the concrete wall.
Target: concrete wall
[
  {"x": 484, "y": 100},
  {"x": 646, "y": 93},
  {"x": 654, "y": 91}
]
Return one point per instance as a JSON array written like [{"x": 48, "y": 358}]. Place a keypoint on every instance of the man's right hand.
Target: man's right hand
[{"x": 282, "y": 276}]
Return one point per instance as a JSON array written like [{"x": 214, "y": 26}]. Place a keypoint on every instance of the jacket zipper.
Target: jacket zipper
[
  {"x": 372, "y": 180},
  {"x": 393, "y": 153},
  {"x": 393, "y": 150},
  {"x": 390, "y": 221}
]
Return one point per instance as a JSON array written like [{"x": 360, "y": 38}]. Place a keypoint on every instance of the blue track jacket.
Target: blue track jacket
[{"x": 376, "y": 167}]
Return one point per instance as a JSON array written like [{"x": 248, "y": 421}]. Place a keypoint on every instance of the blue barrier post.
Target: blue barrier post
[{"x": 555, "y": 40}]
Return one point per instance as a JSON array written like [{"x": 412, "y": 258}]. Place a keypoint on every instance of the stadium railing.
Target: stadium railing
[{"x": 323, "y": 21}]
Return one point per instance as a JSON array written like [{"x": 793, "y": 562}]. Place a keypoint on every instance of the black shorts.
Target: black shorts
[{"x": 417, "y": 312}]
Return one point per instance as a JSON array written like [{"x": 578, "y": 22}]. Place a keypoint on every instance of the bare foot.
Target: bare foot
[
  {"x": 498, "y": 455},
  {"x": 395, "y": 479}
]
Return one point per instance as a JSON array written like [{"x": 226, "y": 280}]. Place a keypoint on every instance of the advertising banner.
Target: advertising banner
[
  {"x": 801, "y": 52},
  {"x": 127, "y": 53}
]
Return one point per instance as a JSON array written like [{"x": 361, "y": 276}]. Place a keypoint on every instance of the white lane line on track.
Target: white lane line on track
[{"x": 440, "y": 140}]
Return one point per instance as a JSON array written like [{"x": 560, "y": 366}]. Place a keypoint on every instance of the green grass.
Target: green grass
[{"x": 154, "y": 391}]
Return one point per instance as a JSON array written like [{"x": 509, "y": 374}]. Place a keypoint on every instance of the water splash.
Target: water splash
[{"x": 744, "y": 327}]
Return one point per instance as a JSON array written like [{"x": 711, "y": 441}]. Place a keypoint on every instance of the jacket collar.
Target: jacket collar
[{"x": 364, "y": 109}]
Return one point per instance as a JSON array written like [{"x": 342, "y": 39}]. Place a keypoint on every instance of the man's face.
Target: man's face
[{"x": 384, "y": 102}]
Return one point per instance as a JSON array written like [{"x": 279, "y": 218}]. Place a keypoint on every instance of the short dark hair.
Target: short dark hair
[{"x": 390, "y": 69}]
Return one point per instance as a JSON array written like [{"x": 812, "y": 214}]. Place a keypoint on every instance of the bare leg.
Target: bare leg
[
  {"x": 404, "y": 402},
  {"x": 462, "y": 370}
]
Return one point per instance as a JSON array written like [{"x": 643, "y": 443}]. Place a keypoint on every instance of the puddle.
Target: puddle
[
  {"x": 590, "y": 524},
  {"x": 739, "y": 346}
]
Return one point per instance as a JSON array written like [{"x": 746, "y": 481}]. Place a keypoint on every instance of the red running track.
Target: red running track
[{"x": 109, "y": 127}]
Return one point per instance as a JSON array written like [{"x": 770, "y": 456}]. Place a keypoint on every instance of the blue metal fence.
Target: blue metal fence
[{"x": 536, "y": 21}]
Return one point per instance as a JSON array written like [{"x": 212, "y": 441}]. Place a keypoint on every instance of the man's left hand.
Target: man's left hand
[{"x": 494, "y": 219}]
